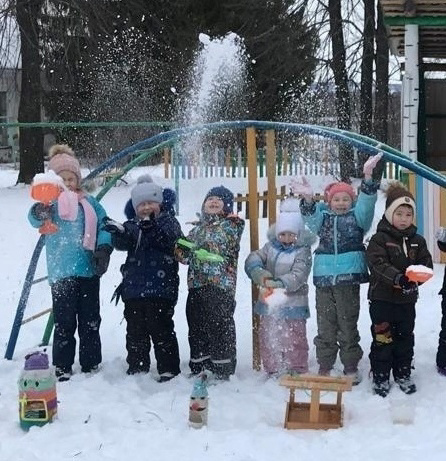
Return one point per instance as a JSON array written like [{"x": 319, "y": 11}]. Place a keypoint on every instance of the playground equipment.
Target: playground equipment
[{"x": 152, "y": 145}]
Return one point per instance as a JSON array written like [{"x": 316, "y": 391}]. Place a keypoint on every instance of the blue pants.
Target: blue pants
[{"x": 76, "y": 305}]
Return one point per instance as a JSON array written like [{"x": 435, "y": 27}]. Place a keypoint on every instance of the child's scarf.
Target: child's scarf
[{"x": 68, "y": 208}]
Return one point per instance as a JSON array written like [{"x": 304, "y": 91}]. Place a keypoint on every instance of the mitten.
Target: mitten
[
  {"x": 370, "y": 165},
  {"x": 405, "y": 284},
  {"x": 440, "y": 235},
  {"x": 147, "y": 223},
  {"x": 273, "y": 283},
  {"x": 41, "y": 211},
  {"x": 101, "y": 259},
  {"x": 302, "y": 188},
  {"x": 114, "y": 227},
  {"x": 258, "y": 276}
]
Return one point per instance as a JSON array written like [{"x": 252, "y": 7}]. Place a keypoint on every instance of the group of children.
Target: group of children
[{"x": 78, "y": 254}]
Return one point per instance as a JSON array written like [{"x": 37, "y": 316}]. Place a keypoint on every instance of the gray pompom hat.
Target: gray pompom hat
[{"x": 146, "y": 191}]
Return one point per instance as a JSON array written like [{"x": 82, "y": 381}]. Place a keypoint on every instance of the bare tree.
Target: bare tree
[{"x": 31, "y": 139}]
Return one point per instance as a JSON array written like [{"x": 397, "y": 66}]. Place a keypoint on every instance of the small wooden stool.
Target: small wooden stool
[{"x": 315, "y": 415}]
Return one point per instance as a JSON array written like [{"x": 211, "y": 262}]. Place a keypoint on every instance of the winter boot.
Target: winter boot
[
  {"x": 381, "y": 388},
  {"x": 324, "y": 371},
  {"x": 406, "y": 385},
  {"x": 63, "y": 374},
  {"x": 354, "y": 374},
  {"x": 441, "y": 370}
]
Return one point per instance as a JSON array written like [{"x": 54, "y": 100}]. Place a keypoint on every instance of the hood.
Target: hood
[
  {"x": 385, "y": 226},
  {"x": 305, "y": 238}
]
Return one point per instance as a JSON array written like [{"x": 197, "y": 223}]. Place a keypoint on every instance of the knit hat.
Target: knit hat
[
  {"x": 62, "y": 159},
  {"x": 398, "y": 195},
  {"x": 36, "y": 361},
  {"x": 146, "y": 191},
  {"x": 289, "y": 219},
  {"x": 225, "y": 195},
  {"x": 336, "y": 187}
]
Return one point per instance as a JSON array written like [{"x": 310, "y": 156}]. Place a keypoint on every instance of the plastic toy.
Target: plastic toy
[
  {"x": 419, "y": 274},
  {"x": 46, "y": 192},
  {"x": 200, "y": 253},
  {"x": 37, "y": 392}
]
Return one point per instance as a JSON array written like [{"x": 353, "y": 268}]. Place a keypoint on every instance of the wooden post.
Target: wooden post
[
  {"x": 166, "y": 162},
  {"x": 271, "y": 175},
  {"x": 254, "y": 233}
]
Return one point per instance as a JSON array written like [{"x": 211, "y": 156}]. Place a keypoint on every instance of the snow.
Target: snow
[
  {"x": 48, "y": 177},
  {"x": 112, "y": 416}
]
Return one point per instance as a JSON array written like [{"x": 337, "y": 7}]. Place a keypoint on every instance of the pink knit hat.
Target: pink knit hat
[
  {"x": 336, "y": 187},
  {"x": 62, "y": 159}
]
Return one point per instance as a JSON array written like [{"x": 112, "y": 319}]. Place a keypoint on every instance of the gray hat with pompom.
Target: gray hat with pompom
[{"x": 146, "y": 191}]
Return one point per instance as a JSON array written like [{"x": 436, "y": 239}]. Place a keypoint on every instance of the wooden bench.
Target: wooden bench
[{"x": 315, "y": 415}]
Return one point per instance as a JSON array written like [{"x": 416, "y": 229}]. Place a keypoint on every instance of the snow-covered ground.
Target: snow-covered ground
[{"x": 112, "y": 416}]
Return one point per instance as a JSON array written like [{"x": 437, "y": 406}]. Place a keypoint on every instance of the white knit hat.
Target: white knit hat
[
  {"x": 146, "y": 191},
  {"x": 289, "y": 219}
]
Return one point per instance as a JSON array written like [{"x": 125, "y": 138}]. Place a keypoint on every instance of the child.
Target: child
[
  {"x": 441, "y": 351},
  {"x": 77, "y": 255},
  {"x": 395, "y": 246},
  {"x": 340, "y": 266},
  {"x": 211, "y": 300},
  {"x": 284, "y": 262},
  {"x": 150, "y": 281}
]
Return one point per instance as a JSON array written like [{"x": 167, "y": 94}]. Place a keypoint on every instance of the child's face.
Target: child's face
[
  {"x": 145, "y": 209},
  {"x": 403, "y": 217},
  {"x": 70, "y": 180},
  {"x": 341, "y": 202},
  {"x": 213, "y": 205},
  {"x": 287, "y": 238}
]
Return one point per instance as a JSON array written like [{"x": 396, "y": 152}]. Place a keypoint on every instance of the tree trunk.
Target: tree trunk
[
  {"x": 31, "y": 139},
  {"x": 338, "y": 66},
  {"x": 366, "y": 104},
  {"x": 382, "y": 89}
]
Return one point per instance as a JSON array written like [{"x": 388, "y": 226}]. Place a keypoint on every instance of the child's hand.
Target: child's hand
[
  {"x": 403, "y": 282},
  {"x": 101, "y": 259},
  {"x": 111, "y": 226},
  {"x": 440, "y": 235},
  {"x": 41, "y": 211},
  {"x": 370, "y": 165},
  {"x": 302, "y": 188},
  {"x": 259, "y": 275},
  {"x": 273, "y": 283}
]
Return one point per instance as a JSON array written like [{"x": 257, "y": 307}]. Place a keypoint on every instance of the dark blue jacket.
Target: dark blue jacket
[{"x": 150, "y": 270}]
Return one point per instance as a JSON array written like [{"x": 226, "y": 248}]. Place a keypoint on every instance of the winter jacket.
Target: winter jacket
[
  {"x": 340, "y": 256},
  {"x": 218, "y": 234},
  {"x": 389, "y": 253},
  {"x": 65, "y": 254},
  {"x": 442, "y": 247},
  {"x": 150, "y": 269},
  {"x": 292, "y": 265}
]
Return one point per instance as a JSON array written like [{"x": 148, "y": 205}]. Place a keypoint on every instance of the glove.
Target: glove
[
  {"x": 41, "y": 211},
  {"x": 405, "y": 284},
  {"x": 101, "y": 259},
  {"x": 370, "y": 165},
  {"x": 274, "y": 283},
  {"x": 147, "y": 223},
  {"x": 259, "y": 275},
  {"x": 111, "y": 226},
  {"x": 304, "y": 189},
  {"x": 440, "y": 235}
]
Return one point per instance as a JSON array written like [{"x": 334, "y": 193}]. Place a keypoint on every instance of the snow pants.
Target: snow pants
[
  {"x": 283, "y": 344},
  {"x": 337, "y": 310},
  {"x": 76, "y": 305},
  {"x": 151, "y": 319},
  {"x": 212, "y": 341},
  {"x": 393, "y": 339}
]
